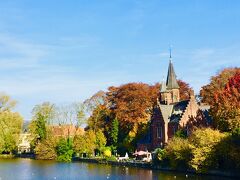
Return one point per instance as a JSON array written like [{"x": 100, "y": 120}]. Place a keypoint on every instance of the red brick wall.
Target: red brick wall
[
  {"x": 172, "y": 129},
  {"x": 191, "y": 111},
  {"x": 157, "y": 122}
]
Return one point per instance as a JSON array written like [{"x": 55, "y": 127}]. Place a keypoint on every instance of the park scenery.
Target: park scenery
[{"x": 125, "y": 89}]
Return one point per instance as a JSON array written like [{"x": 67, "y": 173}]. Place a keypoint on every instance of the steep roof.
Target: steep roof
[
  {"x": 166, "y": 111},
  {"x": 66, "y": 130},
  {"x": 163, "y": 87},
  {"x": 178, "y": 110},
  {"x": 171, "y": 78}
]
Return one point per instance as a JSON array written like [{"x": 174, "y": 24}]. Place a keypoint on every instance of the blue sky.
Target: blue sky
[{"x": 66, "y": 50}]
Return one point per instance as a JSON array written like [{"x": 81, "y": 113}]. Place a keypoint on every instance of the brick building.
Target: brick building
[
  {"x": 67, "y": 130},
  {"x": 169, "y": 114}
]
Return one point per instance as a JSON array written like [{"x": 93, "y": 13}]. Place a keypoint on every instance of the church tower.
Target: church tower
[{"x": 170, "y": 89}]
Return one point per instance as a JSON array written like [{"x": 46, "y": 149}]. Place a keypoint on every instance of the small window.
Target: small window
[{"x": 159, "y": 132}]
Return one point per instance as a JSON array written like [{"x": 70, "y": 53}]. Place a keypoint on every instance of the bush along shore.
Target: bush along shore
[{"x": 154, "y": 166}]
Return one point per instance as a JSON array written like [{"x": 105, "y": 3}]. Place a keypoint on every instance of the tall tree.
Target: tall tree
[
  {"x": 85, "y": 143},
  {"x": 132, "y": 103},
  {"x": 184, "y": 90},
  {"x": 6, "y": 103},
  {"x": 114, "y": 132},
  {"x": 226, "y": 107},
  {"x": 10, "y": 125},
  {"x": 99, "y": 117},
  {"x": 96, "y": 100},
  {"x": 10, "y": 129},
  {"x": 217, "y": 84},
  {"x": 73, "y": 113},
  {"x": 43, "y": 115}
]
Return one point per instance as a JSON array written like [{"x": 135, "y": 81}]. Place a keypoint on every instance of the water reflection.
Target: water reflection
[{"x": 32, "y": 169}]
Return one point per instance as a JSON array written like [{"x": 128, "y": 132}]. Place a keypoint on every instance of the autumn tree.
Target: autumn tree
[
  {"x": 203, "y": 146},
  {"x": 101, "y": 140},
  {"x": 96, "y": 100},
  {"x": 46, "y": 149},
  {"x": 201, "y": 120},
  {"x": 99, "y": 118},
  {"x": 226, "y": 107},
  {"x": 132, "y": 103},
  {"x": 178, "y": 152},
  {"x": 85, "y": 143},
  {"x": 184, "y": 90},
  {"x": 217, "y": 84}
]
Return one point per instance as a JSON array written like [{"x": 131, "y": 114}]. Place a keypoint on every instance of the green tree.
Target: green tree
[
  {"x": 64, "y": 150},
  {"x": 100, "y": 140},
  {"x": 43, "y": 115},
  {"x": 227, "y": 151},
  {"x": 46, "y": 111},
  {"x": 182, "y": 133},
  {"x": 10, "y": 125},
  {"x": 6, "y": 103},
  {"x": 114, "y": 132},
  {"x": 160, "y": 154}
]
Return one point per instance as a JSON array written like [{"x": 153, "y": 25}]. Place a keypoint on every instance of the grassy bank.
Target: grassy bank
[{"x": 6, "y": 156}]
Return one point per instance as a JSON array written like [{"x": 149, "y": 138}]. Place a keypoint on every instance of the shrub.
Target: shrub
[
  {"x": 160, "y": 154},
  {"x": 64, "y": 150},
  {"x": 227, "y": 152},
  {"x": 107, "y": 152},
  {"x": 181, "y": 133},
  {"x": 85, "y": 144},
  {"x": 203, "y": 147},
  {"x": 46, "y": 149},
  {"x": 178, "y": 152}
]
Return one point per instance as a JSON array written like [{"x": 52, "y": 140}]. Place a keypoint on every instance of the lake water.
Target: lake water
[{"x": 15, "y": 169}]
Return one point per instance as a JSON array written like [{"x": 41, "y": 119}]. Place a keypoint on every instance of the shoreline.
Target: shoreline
[
  {"x": 134, "y": 164},
  {"x": 151, "y": 166}
]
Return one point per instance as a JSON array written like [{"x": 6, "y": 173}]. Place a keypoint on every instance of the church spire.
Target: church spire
[
  {"x": 170, "y": 51},
  {"x": 163, "y": 86},
  {"x": 171, "y": 77}
]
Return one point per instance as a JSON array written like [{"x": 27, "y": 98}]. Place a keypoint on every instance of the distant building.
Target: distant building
[
  {"x": 66, "y": 130},
  {"x": 169, "y": 113},
  {"x": 24, "y": 143}
]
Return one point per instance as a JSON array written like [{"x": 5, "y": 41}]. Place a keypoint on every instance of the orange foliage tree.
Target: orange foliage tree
[
  {"x": 217, "y": 84},
  {"x": 226, "y": 105},
  {"x": 184, "y": 90},
  {"x": 132, "y": 103}
]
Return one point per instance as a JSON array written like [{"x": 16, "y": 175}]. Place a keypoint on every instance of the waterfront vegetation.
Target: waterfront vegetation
[{"x": 117, "y": 119}]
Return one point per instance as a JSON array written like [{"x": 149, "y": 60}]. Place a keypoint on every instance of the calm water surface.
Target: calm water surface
[{"x": 32, "y": 169}]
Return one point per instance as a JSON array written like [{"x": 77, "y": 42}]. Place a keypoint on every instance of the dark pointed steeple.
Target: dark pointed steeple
[{"x": 171, "y": 77}]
